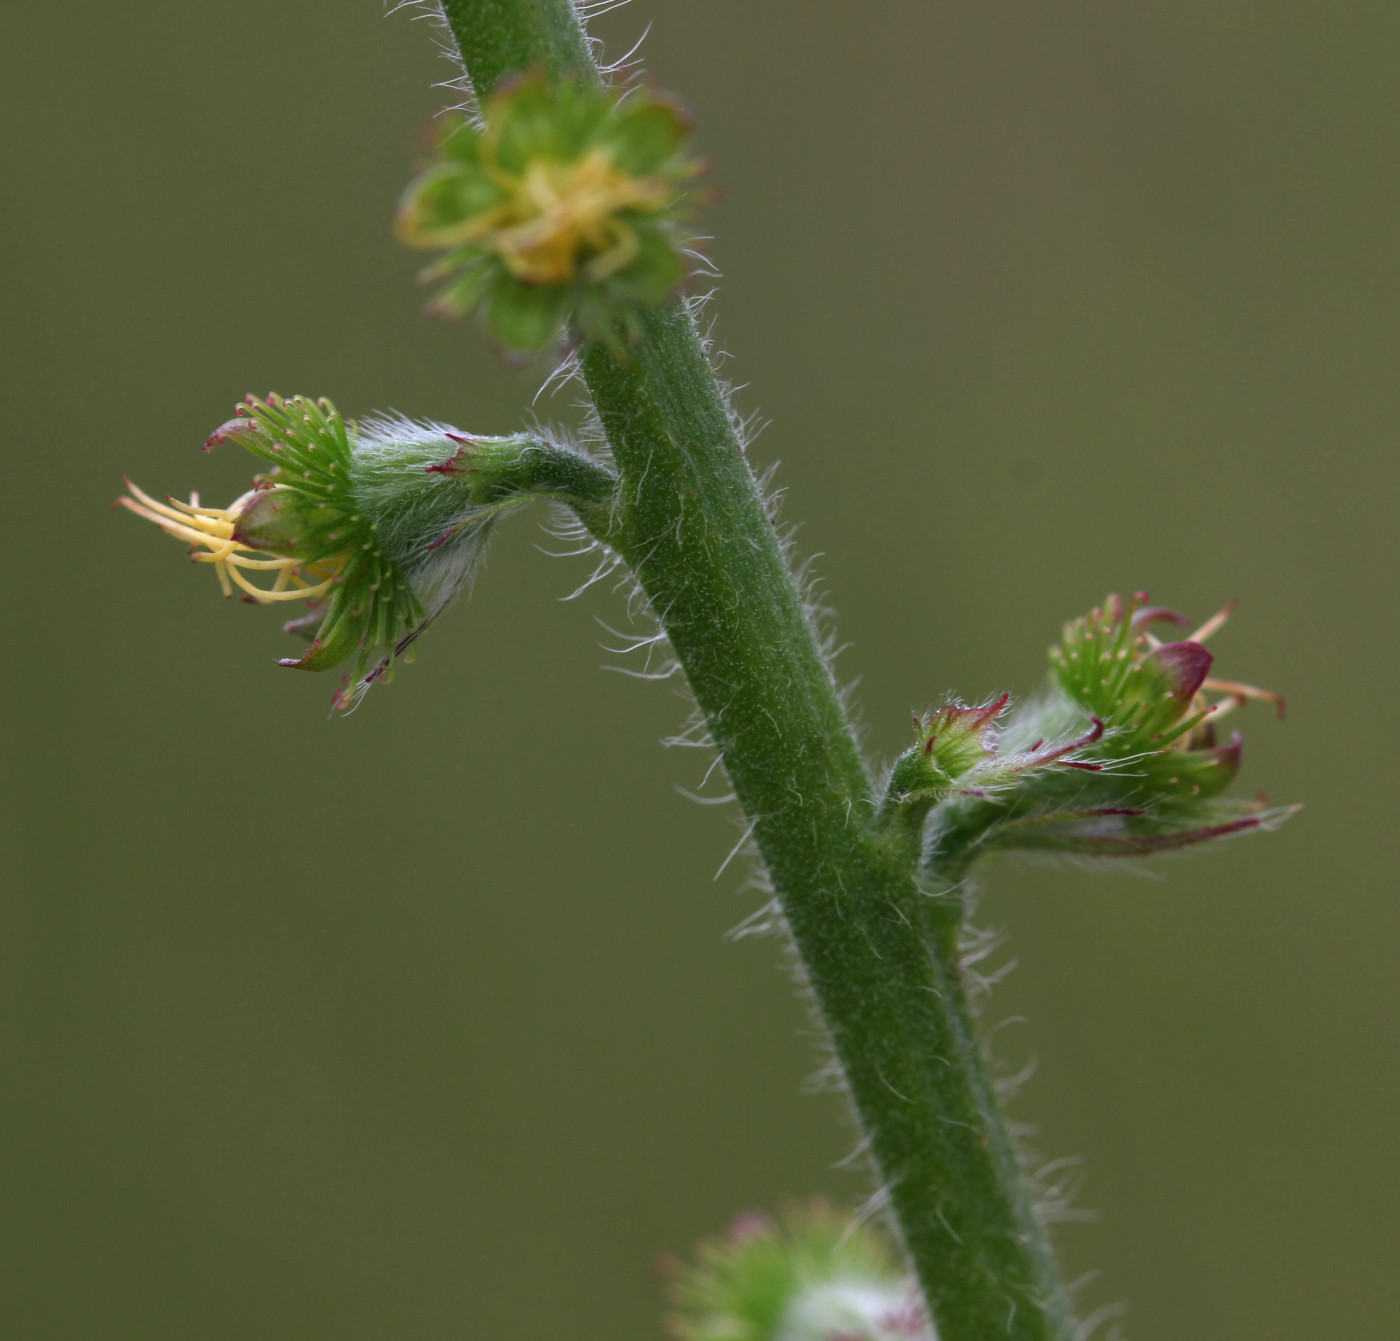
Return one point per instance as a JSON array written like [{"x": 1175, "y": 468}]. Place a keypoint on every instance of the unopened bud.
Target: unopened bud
[{"x": 813, "y": 1275}]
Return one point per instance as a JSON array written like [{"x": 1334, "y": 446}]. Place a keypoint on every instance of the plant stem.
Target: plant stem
[
  {"x": 505, "y": 37},
  {"x": 878, "y": 949}
]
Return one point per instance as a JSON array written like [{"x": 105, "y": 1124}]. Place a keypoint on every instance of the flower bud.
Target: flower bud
[
  {"x": 952, "y": 742},
  {"x": 814, "y": 1276},
  {"x": 562, "y": 206},
  {"x": 959, "y": 753}
]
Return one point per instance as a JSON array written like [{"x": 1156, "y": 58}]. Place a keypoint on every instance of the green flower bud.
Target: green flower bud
[
  {"x": 954, "y": 740},
  {"x": 959, "y": 753},
  {"x": 814, "y": 1276},
  {"x": 562, "y": 206},
  {"x": 378, "y": 525}
]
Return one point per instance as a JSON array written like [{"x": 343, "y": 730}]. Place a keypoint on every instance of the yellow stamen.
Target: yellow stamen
[
  {"x": 210, "y": 556},
  {"x": 192, "y": 508},
  {"x": 558, "y": 212},
  {"x": 268, "y": 594},
  {"x": 179, "y": 531},
  {"x": 1213, "y": 624},
  {"x": 240, "y": 561},
  {"x": 209, "y": 533},
  {"x": 1239, "y": 693}
]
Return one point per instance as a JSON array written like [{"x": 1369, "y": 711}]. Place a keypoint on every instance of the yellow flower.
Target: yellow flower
[
  {"x": 554, "y": 213},
  {"x": 562, "y": 207}
]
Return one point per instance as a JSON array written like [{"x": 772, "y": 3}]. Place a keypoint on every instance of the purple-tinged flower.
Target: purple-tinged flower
[{"x": 1147, "y": 773}]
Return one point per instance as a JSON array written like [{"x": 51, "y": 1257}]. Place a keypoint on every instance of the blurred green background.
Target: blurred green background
[{"x": 422, "y": 1024}]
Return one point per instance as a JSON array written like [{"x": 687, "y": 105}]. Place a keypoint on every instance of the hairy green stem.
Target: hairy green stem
[
  {"x": 539, "y": 466},
  {"x": 505, "y": 37},
  {"x": 878, "y": 948}
]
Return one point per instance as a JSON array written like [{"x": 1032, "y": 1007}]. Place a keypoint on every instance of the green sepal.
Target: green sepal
[
  {"x": 526, "y": 317},
  {"x": 338, "y": 637},
  {"x": 457, "y": 140},
  {"x": 1160, "y": 689},
  {"x": 440, "y": 208},
  {"x": 465, "y": 292},
  {"x": 1165, "y": 827},
  {"x": 658, "y": 270},
  {"x": 1192, "y": 772},
  {"x": 526, "y": 122},
  {"x": 647, "y": 136}
]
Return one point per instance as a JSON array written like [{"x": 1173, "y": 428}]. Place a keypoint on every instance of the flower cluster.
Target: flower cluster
[
  {"x": 816, "y": 1275},
  {"x": 563, "y": 205},
  {"x": 1121, "y": 757},
  {"x": 377, "y": 525}
]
